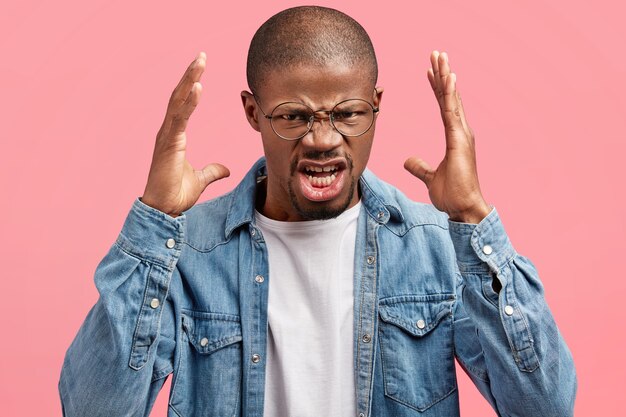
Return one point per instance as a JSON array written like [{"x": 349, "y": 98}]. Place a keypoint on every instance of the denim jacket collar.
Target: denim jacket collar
[{"x": 376, "y": 197}]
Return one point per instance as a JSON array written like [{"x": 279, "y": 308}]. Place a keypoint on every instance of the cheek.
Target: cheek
[
  {"x": 279, "y": 157},
  {"x": 361, "y": 153}
]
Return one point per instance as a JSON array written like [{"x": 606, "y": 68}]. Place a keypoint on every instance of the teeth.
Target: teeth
[
  {"x": 322, "y": 181},
  {"x": 310, "y": 168}
]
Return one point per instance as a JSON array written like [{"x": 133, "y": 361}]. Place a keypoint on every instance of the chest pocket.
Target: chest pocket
[
  {"x": 417, "y": 350},
  {"x": 208, "y": 377}
]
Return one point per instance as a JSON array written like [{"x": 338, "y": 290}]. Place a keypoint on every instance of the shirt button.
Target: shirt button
[
  {"x": 367, "y": 338},
  {"x": 259, "y": 278},
  {"x": 256, "y": 358},
  {"x": 370, "y": 260},
  {"x": 170, "y": 243},
  {"x": 508, "y": 310},
  {"x": 253, "y": 232},
  {"x": 361, "y": 415},
  {"x": 204, "y": 342},
  {"x": 421, "y": 324},
  {"x": 154, "y": 303},
  {"x": 487, "y": 250},
  {"x": 381, "y": 214}
]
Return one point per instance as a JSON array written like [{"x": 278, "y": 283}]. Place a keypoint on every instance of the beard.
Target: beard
[{"x": 323, "y": 212}]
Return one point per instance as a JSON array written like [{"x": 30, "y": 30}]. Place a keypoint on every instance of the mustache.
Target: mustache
[{"x": 319, "y": 156}]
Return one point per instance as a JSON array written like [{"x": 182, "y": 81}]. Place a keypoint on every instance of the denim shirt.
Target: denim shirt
[{"x": 188, "y": 296}]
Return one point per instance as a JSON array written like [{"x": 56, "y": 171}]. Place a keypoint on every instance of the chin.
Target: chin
[{"x": 322, "y": 210}]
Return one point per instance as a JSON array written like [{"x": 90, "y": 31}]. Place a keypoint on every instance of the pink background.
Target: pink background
[{"x": 85, "y": 85}]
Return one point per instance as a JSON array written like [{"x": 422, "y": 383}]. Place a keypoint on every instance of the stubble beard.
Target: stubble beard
[{"x": 323, "y": 212}]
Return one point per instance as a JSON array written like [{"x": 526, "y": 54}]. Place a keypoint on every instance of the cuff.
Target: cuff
[
  {"x": 152, "y": 235},
  {"x": 482, "y": 243}
]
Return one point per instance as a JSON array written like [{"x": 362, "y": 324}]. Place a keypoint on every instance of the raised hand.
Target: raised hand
[
  {"x": 173, "y": 184},
  {"x": 453, "y": 187}
]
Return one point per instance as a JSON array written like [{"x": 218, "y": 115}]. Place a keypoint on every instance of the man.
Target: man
[{"x": 314, "y": 288}]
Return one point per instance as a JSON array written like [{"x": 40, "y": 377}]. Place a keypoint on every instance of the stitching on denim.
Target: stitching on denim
[
  {"x": 138, "y": 329},
  {"x": 161, "y": 373},
  {"x": 521, "y": 364},
  {"x": 127, "y": 248},
  {"x": 409, "y": 228},
  {"x": 358, "y": 345},
  {"x": 422, "y": 298},
  {"x": 180, "y": 349},
  {"x": 382, "y": 356},
  {"x": 210, "y": 248},
  {"x": 174, "y": 410},
  {"x": 528, "y": 363},
  {"x": 238, "y": 385},
  {"x": 374, "y": 304},
  {"x": 426, "y": 406},
  {"x": 403, "y": 402}
]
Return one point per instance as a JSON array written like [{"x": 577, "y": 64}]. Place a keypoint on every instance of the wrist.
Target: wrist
[
  {"x": 474, "y": 215},
  {"x": 149, "y": 203}
]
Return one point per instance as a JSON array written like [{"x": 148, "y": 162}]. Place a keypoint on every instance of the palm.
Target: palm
[
  {"x": 453, "y": 186},
  {"x": 173, "y": 184}
]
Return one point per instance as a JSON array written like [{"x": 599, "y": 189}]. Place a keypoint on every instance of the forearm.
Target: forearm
[
  {"x": 523, "y": 363},
  {"x": 113, "y": 365}
]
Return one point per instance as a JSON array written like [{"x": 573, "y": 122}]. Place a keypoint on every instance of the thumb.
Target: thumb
[
  {"x": 211, "y": 173},
  {"x": 419, "y": 168}
]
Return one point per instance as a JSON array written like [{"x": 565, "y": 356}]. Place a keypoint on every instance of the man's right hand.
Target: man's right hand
[{"x": 173, "y": 184}]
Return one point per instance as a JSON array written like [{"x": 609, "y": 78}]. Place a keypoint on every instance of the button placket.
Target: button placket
[{"x": 508, "y": 310}]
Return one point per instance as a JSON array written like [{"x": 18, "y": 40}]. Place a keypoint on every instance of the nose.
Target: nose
[{"x": 322, "y": 136}]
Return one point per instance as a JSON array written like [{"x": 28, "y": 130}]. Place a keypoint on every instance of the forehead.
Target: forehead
[{"x": 316, "y": 85}]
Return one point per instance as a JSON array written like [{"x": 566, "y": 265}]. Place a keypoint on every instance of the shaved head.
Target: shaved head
[{"x": 309, "y": 36}]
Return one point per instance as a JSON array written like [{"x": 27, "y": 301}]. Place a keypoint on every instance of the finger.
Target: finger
[
  {"x": 181, "y": 118},
  {"x": 459, "y": 103},
  {"x": 191, "y": 76},
  {"x": 211, "y": 173},
  {"x": 419, "y": 168},
  {"x": 451, "y": 113},
  {"x": 435, "y": 83},
  {"x": 434, "y": 63}
]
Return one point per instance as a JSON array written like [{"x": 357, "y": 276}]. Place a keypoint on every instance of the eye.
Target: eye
[
  {"x": 345, "y": 115},
  {"x": 294, "y": 117}
]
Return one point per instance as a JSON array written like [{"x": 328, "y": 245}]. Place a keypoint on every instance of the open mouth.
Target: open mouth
[
  {"x": 321, "y": 181},
  {"x": 321, "y": 176}
]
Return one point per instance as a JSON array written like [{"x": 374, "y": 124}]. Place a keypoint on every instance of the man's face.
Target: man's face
[{"x": 296, "y": 189}]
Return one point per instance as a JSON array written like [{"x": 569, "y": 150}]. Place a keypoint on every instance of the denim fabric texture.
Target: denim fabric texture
[{"x": 182, "y": 297}]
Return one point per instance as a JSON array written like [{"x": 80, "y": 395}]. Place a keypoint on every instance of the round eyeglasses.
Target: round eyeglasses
[{"x": 292, "y": 121}]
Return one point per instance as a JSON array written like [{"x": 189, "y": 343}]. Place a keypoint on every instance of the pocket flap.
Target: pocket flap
[
  {"x": 208, "y": 332},
  {"x": 416, "y": 314}
]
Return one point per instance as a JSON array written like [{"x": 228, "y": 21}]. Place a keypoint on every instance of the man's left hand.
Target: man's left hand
[{"x": 453, "y": 187}]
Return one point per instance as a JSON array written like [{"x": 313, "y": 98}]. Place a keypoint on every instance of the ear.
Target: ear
[
  {"x": 378, "y": 96},
  {"x": 250, "y": 109}
]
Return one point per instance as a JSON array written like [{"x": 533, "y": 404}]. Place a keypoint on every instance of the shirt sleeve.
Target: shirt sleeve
[
  {"x": 123, "y": 351},
  {"x": 506, "y": 338}
]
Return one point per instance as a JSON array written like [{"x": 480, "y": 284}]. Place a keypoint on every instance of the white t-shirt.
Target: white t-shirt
[{"x": 310, "y": 362}]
